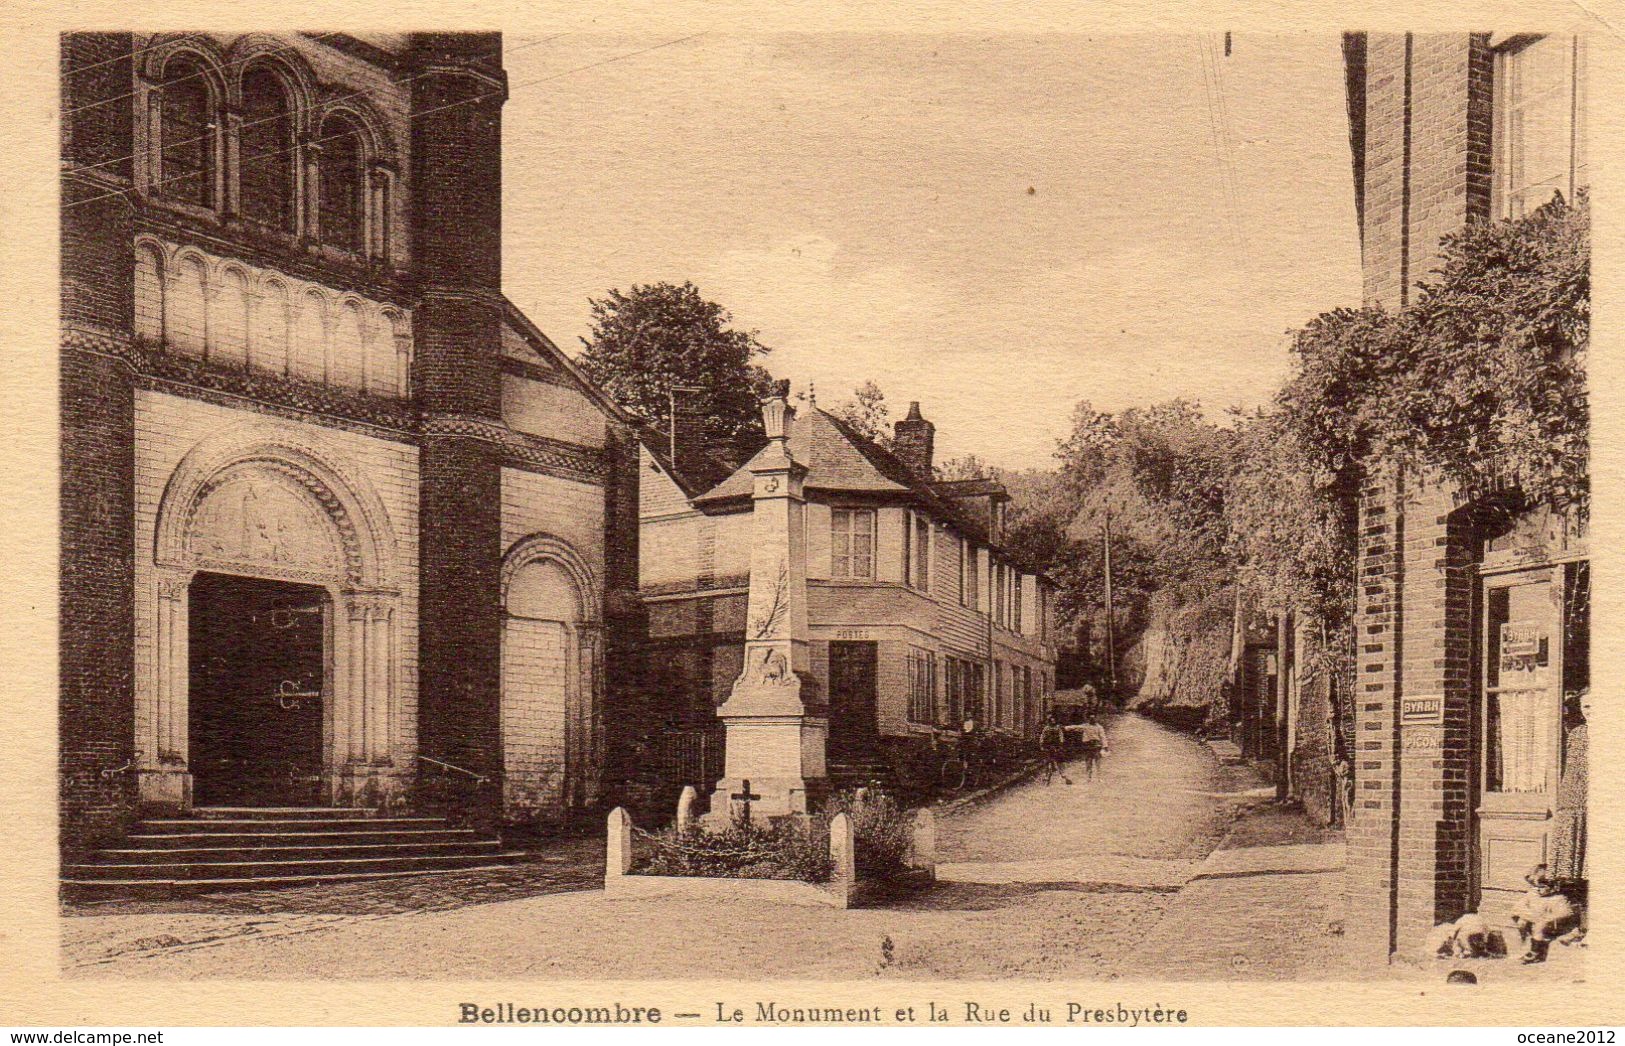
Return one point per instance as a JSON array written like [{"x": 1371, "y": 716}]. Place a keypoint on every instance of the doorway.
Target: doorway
[
  {"x": 1520, "y": 716},
  {"x": 853, "y": 674},
  {"x": 257, "y": 686}
]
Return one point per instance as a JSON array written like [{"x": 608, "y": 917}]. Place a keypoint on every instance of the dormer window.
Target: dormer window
[
  {"x": 852, "y": 542},
  {"x": 922, "y": 553}
]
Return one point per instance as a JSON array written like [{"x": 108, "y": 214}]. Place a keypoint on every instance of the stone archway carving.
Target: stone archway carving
[
  {"x": 271, "y": 501},
  {"x": 528, "y": 788}
]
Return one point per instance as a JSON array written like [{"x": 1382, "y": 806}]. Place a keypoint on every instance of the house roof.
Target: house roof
[
  {"x": 837, "y": 459},
  {"x": 841, "y": 460}
]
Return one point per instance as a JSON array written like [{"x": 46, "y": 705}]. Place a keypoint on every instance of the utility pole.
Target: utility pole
[
  {"x": 1111, "y": 630},
  {"x": 671, "y": 418},
  {"x": 1283, "y": 691}
]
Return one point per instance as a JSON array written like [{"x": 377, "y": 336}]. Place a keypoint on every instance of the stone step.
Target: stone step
[
  {"x": 277, "y": 836},
  {"x": 275, "y": 813},
  {"x": 85, "y": 888},
  {"x": 170, "y": 825},
  {"x": 193, "y": 871},
  {"x": 213, "y": 854},
  {"x": 223, "y": 848}
]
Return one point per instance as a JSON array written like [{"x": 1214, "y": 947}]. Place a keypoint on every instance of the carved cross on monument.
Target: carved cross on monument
[{"x": 744, "y": 797}]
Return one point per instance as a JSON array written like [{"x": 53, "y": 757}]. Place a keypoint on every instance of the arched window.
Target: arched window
[
  {"x": 266, "y": 158},
  {"x": 341, "y": 184},
  {"x": 188, "y": 134}
]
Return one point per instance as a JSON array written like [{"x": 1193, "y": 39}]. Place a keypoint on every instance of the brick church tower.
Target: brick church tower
[{"x": 339, "y": 524}]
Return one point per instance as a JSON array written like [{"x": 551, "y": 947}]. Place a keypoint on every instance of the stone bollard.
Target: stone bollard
[
  {"x": 923, "y": 847},
  {"x": 618, "y": 851},
  {"x": 685, "y": 808},
  {"x": 843, "y": 854}
]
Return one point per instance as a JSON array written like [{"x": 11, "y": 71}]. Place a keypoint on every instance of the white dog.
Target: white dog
[{"x": 1466, "y": 938}]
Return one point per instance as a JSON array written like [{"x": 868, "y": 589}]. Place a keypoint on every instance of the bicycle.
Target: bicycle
[{"x": 960, "y": 769}]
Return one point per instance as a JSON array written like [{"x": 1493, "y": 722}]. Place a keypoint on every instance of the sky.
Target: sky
[{"x": 997, "y": 226}]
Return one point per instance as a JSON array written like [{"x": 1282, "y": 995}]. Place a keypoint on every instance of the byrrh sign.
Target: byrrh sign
[{"x": 1422, "y": 710}]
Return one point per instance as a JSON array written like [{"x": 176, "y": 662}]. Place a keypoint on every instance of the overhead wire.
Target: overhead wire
[
  {"x": 238, "y": 63},
  {"x": 121, "y": 56},
  {"x": 1227, "y": 137},
  {"x": 425, "y": 112},
  {"x": 338, "y": 98}
]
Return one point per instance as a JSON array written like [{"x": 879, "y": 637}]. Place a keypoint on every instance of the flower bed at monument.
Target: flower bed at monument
[
  {"x": 819, "y": 860},
  {"x": 787, "y": 849}
]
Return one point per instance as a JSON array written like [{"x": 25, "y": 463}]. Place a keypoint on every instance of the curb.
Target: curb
[{"x": 1026, "y": 772}]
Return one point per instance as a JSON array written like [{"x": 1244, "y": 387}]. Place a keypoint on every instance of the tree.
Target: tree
[
  {"x": 867, "y": 413},
  {"x": 1481, "y": 381},
  {"x": 658, "y": 336},
  {"x": 968, "y": 467}
]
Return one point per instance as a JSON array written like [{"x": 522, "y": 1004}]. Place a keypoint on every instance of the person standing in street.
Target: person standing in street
[
  {"x": 1094, "y": 744},
  {"x": 1052, "y": 747}
]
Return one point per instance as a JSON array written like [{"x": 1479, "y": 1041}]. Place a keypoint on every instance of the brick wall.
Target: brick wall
[
  {"x": 1410, "y": 840},
  {"x": 97, "y": 465},
  {"x": 457, "y": 232},
  {"x": 1427, "y": 153},
  {"x": 1426, "y": 167}
]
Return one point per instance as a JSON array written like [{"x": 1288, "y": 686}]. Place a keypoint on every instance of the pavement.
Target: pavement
[{"x": 1167, "y": 865}]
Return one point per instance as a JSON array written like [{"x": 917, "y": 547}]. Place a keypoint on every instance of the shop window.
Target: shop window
[
  {"x": 1522, "y": 707},
  {"x": 922, "y": 685}
]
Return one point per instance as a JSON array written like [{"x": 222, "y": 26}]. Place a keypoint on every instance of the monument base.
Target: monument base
[
  {"x": 774, "y": 798},
  {"x": 781, "y": 757}
]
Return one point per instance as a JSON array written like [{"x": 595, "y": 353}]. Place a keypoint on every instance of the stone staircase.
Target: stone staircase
[{"x": 231, "y": 848}]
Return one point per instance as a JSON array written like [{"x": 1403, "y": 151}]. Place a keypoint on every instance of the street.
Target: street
[{"x": 1083, "y": 880}]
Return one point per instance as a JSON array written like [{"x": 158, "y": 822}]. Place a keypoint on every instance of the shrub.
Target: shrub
[
  {"x": 789, "y": 848},
  {"x": 882, "y": 832}
]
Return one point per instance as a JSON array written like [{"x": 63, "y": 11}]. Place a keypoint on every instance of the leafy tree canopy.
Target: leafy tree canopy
[
  {"x": 867, "y": 413},
  {"x": 658, "y": 336}
]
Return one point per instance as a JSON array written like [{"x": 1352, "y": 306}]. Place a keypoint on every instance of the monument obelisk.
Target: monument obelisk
[{"x": 776, "y": 727}]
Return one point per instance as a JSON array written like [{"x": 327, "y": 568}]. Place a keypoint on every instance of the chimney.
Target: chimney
[{"x": 914, "y": 440}]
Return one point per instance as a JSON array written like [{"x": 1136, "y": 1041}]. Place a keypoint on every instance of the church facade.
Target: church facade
[{"x": 336, "y": 519}]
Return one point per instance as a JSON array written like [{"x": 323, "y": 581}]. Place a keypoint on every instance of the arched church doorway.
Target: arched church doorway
[
  {"x": 549, "y": 681},
  {"x": 258, "y": 684}
]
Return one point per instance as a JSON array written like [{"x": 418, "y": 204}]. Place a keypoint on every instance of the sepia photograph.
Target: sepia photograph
[{"x": 898, "y": 508}]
